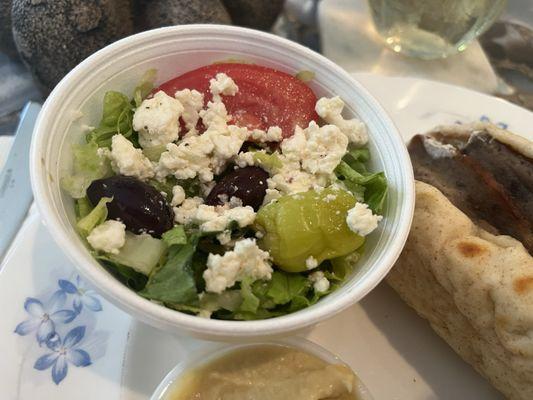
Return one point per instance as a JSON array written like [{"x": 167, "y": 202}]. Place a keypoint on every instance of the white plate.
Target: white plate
[{"x": 394, "y": 352}]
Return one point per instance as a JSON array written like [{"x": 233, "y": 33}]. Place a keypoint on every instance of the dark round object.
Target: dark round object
[
  {"x": 138, "y": 205},
  {"x": 52, "y": 37},
  {"x": 7, "y": 45},
  {"x": 258, "y": 14},
  {"x": 149, "y": 14},
  {"x": 248, "y": 184}
]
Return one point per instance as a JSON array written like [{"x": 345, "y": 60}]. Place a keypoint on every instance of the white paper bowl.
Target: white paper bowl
[
  {"x": 202, "y": 357},
  {"x": 172, "y": 51}
]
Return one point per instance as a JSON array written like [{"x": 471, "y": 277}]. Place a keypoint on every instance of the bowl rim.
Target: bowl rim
[
  {"x": 204, "y": 355},
  {"x": 158, "y": 315}
]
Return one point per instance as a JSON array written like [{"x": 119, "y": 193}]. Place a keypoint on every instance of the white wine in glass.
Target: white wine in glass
[{"x": 432, "y": 29}]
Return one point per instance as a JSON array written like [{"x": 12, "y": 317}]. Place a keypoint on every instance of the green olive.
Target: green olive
[{"x": 310, "y": 224}]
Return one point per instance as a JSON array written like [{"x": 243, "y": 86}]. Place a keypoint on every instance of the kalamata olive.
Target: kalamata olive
[
  {"x": 248, "y": 184},
  {"x": 138, "y": 205}
]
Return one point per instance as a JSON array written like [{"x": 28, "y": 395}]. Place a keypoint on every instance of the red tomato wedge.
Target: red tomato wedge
[{"x": 266, "y": 97}]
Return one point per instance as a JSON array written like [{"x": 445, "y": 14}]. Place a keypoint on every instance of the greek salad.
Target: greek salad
[{"x": 229, "y": 192}]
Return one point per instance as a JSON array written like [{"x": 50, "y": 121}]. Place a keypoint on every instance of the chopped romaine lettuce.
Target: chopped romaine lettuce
[
  {"x": 261, "y": 313},
  {"x": 174, "y": 281},
  {"x": 145, "y": 86},
  {"x": 117, "y": 118},
  {"x": 88, "y": 166},
  {"x": 83, "y": 207},
  {"x": 128, "y": 276},
  {"x": 140, "y": 252},
  {"x": 250, "y": 303},
  {"x": 284, "y": 287},
  {"x": 175, "y": 236},
  {"x": 299, "y": 303},
  {"x": 191, "y": 186},
  {"x": 164, "y": 186},
  {"x": 370, "y": 188},
  {"x": 341, "y": 267},
  {"x": 376, "y": 191},
  {"x": 270, "y": 161},
  {"x": 199, "y": 264},
  {"x": 97, "y": 216},
  {"x": 229, "y": 300},
  {"x": 154, "y": 153}
]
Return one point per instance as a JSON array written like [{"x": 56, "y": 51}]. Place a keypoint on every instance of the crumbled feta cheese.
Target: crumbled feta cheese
[
  {"x": 259, "y": 234},
  {"x": 185, "y": 213},
  {"x": 291, "y": 180},
  {"x": 223, "y": 198},
  {"x": 207, "y": 154},
  {"x": 245, "y": 159},
  {"x": 235, "y": 202},
  {"x": 222, "y": 84},
  {"x": 324, "y": 149},
  {"x": 311, "y": 262},
  {"x": 246, "y": 260},
  {"x": 224, "y": 238},
  {"x": 215, "y": 117},
  {"x": 187, "y": 160},
  {"x": 108, "y": 237},
  {"x": 127, "y": 160},
  {"x": 330, "y": 110},
  {"x": 207, "y": 213},
  {"x": 361, "y": 220},
  {"x": 157, "y": 120},
  {"x": 320, "y": 282},
  {"x": 227, "y": 144},
  {"x": 192, "y": 102},
  {"x": 178, "y": 195},
  {"x": 293, "y": 148},
  {"x": 218, "y": 218},
  {"x": 271, "y": 195},
  {"x": 250, "y": 158},
  {"x": 211, "y": 218},
  {"x": 273, "y": 134},
  {"x": 309, "y": 158}
]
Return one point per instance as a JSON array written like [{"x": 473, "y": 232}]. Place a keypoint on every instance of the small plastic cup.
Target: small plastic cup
[{"x": 214, "y": 351}]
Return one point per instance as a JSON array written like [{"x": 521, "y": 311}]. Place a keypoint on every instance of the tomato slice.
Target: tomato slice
[{"x": 266, "y": 97}]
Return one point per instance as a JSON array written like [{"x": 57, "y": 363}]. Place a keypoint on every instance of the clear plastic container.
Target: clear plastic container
[
  {"x": 213, "y": 352},
  {"x": 432, "y": 29}
]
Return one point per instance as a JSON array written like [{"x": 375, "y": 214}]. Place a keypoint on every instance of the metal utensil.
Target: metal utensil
[{"x": 15, "y": 189}]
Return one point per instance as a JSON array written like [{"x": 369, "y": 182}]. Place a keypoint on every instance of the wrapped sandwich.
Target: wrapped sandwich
[{"x": 467, "y": 266}]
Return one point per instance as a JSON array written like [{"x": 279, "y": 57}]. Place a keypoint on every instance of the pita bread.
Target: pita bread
[
  {"x": 474, "y": 288},
  {"x": 519, "y": 143}
]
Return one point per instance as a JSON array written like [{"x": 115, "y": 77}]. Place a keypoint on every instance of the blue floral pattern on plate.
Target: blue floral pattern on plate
[
  {"x": 485, "y": 118},
  {"x": 499, "y": 124},
  {"x": 64, "y": 352},
  {"x": 64, "y": 307}
]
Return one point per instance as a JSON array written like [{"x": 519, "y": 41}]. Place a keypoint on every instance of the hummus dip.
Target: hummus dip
[{"x": 266, "y": 372}]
